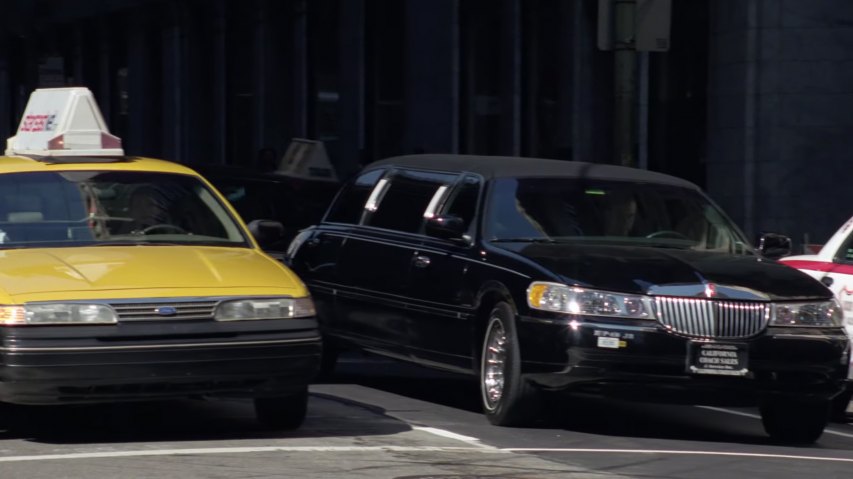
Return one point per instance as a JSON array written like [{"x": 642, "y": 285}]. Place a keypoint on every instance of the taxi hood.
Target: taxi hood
[
  {"x": 667, "y": 271},
  {"x": 141, "y": 271}
]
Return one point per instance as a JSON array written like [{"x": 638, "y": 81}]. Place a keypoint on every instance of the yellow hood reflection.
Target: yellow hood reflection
[{"x": 141, "y": 271}]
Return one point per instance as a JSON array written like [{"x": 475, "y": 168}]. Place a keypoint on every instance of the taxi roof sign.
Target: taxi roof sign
[{"x": 63, "y": 122}]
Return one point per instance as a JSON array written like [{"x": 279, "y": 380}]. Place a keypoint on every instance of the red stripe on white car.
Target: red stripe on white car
[{"x": 825, "y": 266}]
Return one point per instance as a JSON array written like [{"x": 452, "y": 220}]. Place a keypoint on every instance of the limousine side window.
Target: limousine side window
[
  {"x": 349, "y": 205},
  {"x": 405, "y": 201},
  {"x": 464, "y": 203}
]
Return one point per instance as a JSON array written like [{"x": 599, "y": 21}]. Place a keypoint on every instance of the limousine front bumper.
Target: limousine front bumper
[{"x": 642, "y": 360}]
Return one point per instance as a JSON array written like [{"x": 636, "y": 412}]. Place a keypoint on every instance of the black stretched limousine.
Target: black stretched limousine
[{"x": 535, "y": 274}]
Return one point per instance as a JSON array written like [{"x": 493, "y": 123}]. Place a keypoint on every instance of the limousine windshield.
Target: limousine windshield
[{"x": 568, "y": 209}]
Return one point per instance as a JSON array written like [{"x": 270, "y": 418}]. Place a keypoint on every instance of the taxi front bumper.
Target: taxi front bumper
[
  {"x": 639, "y": 360},
  {"x": 143, "y": 361}
]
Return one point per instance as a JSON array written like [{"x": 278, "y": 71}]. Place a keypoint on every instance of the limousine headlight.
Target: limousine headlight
[
  {"x": 816, "y": 314},
  {"x": 57, "y": 313},
  {"x": 560, "y": 298},
  {"x": 264, "y": 308}
]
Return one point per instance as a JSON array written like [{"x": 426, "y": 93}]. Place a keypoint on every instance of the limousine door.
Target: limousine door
[
  {"x": 442, "y": 301},
  {"x": 376, "y": 258}
]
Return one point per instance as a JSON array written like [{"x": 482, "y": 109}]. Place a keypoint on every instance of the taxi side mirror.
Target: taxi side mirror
[
  {"x": 266, "y": 232},
  {"x": 773, "y": 245},
  {"x": 450, "y": 227}
]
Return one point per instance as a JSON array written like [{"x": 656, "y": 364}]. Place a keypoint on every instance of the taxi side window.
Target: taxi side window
[
  {"x": 403, "y": 205},
  {"x": 349, "y": 205}
]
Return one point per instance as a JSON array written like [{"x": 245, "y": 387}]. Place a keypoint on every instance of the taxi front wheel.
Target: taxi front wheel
[{"x": 282, "y": 412}]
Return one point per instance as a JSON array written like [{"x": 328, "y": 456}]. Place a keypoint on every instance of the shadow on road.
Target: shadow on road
[
  {"x": 589, "y": 415},
  {"x": 183, "y": 420}
]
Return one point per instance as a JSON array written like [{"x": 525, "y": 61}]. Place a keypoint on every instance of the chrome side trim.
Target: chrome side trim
[
  {"x": 491, "y": 265},
  {"x": 157, "y": 346},
  {"x": 403, "y": 302}
]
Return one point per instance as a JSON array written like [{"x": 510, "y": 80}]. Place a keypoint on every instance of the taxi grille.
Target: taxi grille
[
  {"x": 179, "y": 310},
  {"x": 712, "y": 319}
]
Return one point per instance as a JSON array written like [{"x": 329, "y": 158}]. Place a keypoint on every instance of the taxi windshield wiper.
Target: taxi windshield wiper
[{"x": 135, "y": 243}]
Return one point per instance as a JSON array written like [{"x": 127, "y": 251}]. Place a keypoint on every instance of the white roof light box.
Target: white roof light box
[{"x": 63, "y": 122}]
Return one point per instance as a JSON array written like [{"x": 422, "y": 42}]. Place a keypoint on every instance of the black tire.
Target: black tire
[
  {"x": 838, "y": 409},
  {"x": 507, "y": 399},
  {"x": 328, "y": 360},
  {"x": 282, "y": 412},
  {"x": 795, "y": 422}
]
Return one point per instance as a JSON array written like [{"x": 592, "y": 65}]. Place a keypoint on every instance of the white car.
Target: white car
[{"x": 833, "y": 266}]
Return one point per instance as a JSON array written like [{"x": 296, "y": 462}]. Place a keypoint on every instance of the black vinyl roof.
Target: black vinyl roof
[{"x": 520, "y": 167}]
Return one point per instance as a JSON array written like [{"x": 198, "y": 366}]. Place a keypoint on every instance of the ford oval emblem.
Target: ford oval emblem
[{"x": 166, "y": 311}]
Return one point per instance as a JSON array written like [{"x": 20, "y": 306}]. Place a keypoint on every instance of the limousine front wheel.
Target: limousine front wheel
[
  {"x": 507, "y": 399},
  {"x": 795, "y": 422}
]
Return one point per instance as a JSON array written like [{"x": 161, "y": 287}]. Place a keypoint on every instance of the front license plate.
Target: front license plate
[{"x": 722, "y": 359}]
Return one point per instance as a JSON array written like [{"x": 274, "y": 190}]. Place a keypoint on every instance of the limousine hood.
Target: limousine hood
[
  {"x": 666, "y": 271},
  {"x": 140, "y": 271}
]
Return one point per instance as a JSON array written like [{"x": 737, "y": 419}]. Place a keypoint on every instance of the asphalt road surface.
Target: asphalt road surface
[{"x": 382, "y": 419}]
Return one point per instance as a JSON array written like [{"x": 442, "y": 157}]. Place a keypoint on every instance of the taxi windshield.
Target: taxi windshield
[
  {"x": 617, "y": 212},
  {"x": 81, "y": 208}
]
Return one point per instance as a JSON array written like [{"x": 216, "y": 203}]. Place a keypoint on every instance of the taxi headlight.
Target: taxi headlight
[
  {"x": 564, "y": 299},
  {"x": 264, "y": 308},
  {"x": 57, "y": 313},
  {"x": 815, "y": 314}
]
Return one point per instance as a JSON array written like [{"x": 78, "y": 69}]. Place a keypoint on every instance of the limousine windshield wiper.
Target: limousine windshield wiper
[{"x": 523, "y": 240}]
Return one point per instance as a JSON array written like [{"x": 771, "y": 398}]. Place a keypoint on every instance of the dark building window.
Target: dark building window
[
  {"x": 546, "y": 80},
  {"x": 480, "y": 85},
  {"x": 678, "y": 84},
  {"x": 324, "y": 59},
  {"x": 385, "y": 67},
  {"x": 241, "y": 82}
]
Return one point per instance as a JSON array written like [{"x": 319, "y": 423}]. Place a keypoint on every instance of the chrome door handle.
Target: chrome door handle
[{"x": 421, "y": 261}]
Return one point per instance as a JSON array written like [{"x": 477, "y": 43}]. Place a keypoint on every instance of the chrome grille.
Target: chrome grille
[
  {"x": 707, "y": 318},
  {"x": 184, "y": 310}
]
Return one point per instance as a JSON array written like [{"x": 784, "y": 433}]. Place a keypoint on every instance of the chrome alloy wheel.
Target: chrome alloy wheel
[{"x": 493, "y": 364}]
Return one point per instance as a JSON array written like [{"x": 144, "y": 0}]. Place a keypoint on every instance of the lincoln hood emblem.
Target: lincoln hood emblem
[{"x": 710, "y": 290}]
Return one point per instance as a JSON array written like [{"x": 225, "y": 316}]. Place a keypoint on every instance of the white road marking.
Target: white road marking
[
  {"x": 756, "y": 416},
  {"x": 243, "y": 450},
  {"x": 452, "y": 435},
  {"x": 483, "y": 450},
  {"x": 686, "y": 453}
]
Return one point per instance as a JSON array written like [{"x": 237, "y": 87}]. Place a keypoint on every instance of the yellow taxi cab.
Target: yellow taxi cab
[{"x": 125, "y": 278}]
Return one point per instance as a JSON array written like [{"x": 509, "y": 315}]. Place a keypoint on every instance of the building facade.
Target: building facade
[{"x": 750, "y": 101}]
